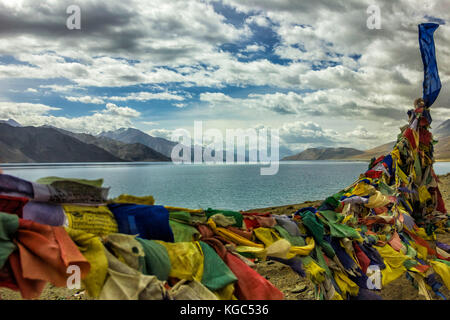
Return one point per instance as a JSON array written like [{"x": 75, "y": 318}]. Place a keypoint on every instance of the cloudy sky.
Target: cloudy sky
[{"x": 312, "y": 69}]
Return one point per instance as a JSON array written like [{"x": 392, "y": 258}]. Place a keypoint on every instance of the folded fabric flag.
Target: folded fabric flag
[
  {"x": 9, "y": 223},
  {"x": 13, "y": 186},
  {"x": 294, "y": 240},
  {"x": 374, "y": 161},
  {"x": 126, "y": 198},
  {"x": 394, "y": 262},
  {"x": 266, "y": 235},
  {"x": 347, "y": 286},
  {"x": 45, "y": 213},
  {"x": 425, "y": 137},
  {"x": 355, "y": 199},
  {"x": 71, "y": 190},
  {"x": 385, "y": 189},
  {"x": 288, "y": 224},
  {"x": 395, "y": 242},
  {"x": 13, "y": 205},
  {"x": 49, "y": 180},
  {"x": 313, "y": 270},
  {"x": 404, "y": 189},
  {"x": 223, "y": 221},
  {"x": 126, "y": 283},
  {"x": 424, "y": 195},
  {"x": 148, "y": 222},
  {"x": 329, "y": 290},
  {"x": 236, "y": 215},
  {"x": 243, "y": 233},
  {"x": 442, "y": 268},
  {"x": 377, "y": 200},
  {"x": 388, "y": 163},
  {"x": 98, "y": 220},
  {"x": 74, "y": 192},
  {"x": 443, "y": 246},
  {"x": 411, "y": 136},
  {"x": 295, "y": 263},
  {"x": 303, "y": 210},
  {"x": 317, "y": 230},
  {"x": 330, "y": 203},
  {"x": 183, "y": 232},
  {"x": 366, "y": 294},
  {"x": 127, "y": 249},
  {"x": 440, "y": 201},
  {"x": 362, "y": 188},
  {"x": 191, "y": 217},
  {"x": 337, "y": 229},
  {"x": 92, "y": 249},
  {"x": 216, "y": 274},
  {"x": 250, "y": 284},
  {"x": 280, "y": 249},
  {"x": 7, "y": 278},
  {"x": 230, "y": 236},
  {"x": 431, "y": 81},
  {"x": 251, "y": 223},
  {"x": 265, "y": 222},
  {"x": 347, "y": 262},
  {"x": 186, "y": 259},
  {"x": 373, "y": 255},
  {"x": 373, "y": 174},
  {"x": 44, "y": 254},
  {"x": 156, "y": 260},
  {"x": 190, "y": 290},
  {"x": 363, "y": 259}
]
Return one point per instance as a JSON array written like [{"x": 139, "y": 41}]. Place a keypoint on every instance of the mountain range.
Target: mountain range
[
  {"x": 46, "y": 144},
  {"x": 39, "y": 144},
  {"x": 132, "y": 136},
  {"x": 50, "y": 144},
  {"x": 325, "y": 154}
]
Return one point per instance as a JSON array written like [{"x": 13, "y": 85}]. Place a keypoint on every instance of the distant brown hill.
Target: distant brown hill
[
  {"x": 325, "y": 154},
  {"x": 374, "y": 152},
  {"x": 31, "y": 144},
  {"x": 443, "y": 130},
  {"x": 442, "y": 149},
  {"x": 441, "y": 152}
]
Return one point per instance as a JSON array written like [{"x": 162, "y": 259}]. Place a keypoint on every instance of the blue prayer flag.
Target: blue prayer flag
[{"x": 431, "y": 81}]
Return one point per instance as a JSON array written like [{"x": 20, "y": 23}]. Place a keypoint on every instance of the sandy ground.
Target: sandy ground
[{"x": 283, "y": 277}]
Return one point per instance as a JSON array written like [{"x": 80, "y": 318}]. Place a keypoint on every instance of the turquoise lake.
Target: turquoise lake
[{"x": 225, "y": 186}]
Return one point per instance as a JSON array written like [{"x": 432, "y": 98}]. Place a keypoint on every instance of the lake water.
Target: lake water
[{"x": 225, "y": 186}]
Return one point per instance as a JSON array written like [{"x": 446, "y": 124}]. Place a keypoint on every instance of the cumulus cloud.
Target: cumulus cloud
[
  {"x": 110, "y": 118},
  {"x": 300, "y": 132},
  {"x": 254, "y": 48},
  {"x": 146, "y": 96},
  {"x": 289, "y": 103},
  {"x": 124, "y": 112},
  {"x": 86, "y": 99},
  {"x": 60, "y": 88},
  {"x": 23, "y": 111},
  {"x": 295, "y": 59},
  {"x": 162, "y": 133}
]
